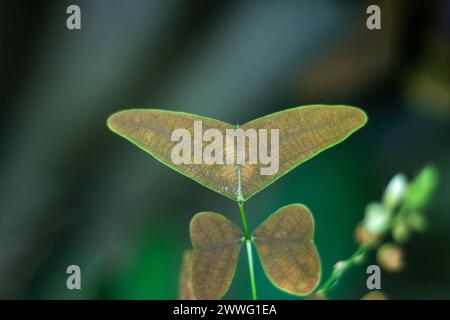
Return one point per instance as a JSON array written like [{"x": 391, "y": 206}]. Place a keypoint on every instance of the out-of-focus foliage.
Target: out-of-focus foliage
[
  {"x": 186, "y": 292},
  {"x": 390, "y": 218},
  {"x": 374, "y": 295},
  {"x": 401, "y": 209}
]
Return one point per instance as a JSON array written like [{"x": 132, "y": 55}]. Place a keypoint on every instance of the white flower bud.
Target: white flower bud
[
  {"x": 377, "y": 218},
  {"x": 395, "y": 191}
]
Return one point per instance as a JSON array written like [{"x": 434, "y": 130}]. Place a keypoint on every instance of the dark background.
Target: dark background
[{"x": 72, "y": 192}]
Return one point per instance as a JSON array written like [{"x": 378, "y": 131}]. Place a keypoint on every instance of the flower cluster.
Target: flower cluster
[{"x": 396, "y": 217}]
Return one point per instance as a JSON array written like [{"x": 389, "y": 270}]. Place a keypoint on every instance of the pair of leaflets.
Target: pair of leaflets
[
  {"x": 284, "y": 243},
  {"x": 303, "y": 133}
]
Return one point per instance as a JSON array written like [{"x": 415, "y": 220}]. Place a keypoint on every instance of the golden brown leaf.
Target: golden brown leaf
[
  {"x": 303, "y": 133},
  {"x": 285, "y": 246},
  {"x": 217, "y": 242},
  {"x": 186, "y": 291},
  {"x": 151, "y": 130}
]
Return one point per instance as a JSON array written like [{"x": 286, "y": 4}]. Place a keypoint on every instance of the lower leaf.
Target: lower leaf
[{"x": 285, "y": 247}]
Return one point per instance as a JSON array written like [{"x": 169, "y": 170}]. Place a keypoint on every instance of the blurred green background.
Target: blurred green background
[{"x": 72, "y": 192}]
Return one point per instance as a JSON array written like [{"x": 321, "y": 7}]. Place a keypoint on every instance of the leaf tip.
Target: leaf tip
[{"x": 113, "y": 120}]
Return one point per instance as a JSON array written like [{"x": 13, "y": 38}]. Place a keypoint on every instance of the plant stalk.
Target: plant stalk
[
  {"x": 343, "y": 266},
  {"x": 244, "y": 221},
  {"x": 248, "y": 245},
  {"x": 356, "y": 257}
]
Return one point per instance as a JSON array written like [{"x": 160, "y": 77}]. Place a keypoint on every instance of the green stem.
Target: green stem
[
  {"x": 357, "y": 256},
  {"x": 244, "y": 220},
  {"x": 248, "y": 245},
  {"x": 341, "y": 267}
]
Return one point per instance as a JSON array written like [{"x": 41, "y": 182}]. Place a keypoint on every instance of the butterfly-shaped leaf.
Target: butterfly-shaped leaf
[
  {"x": 217, "y": 243},
  {"x": 186, "y": 291},
  {"x": 285, "y": 246},
  {"x": 303, "y": 133}
]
